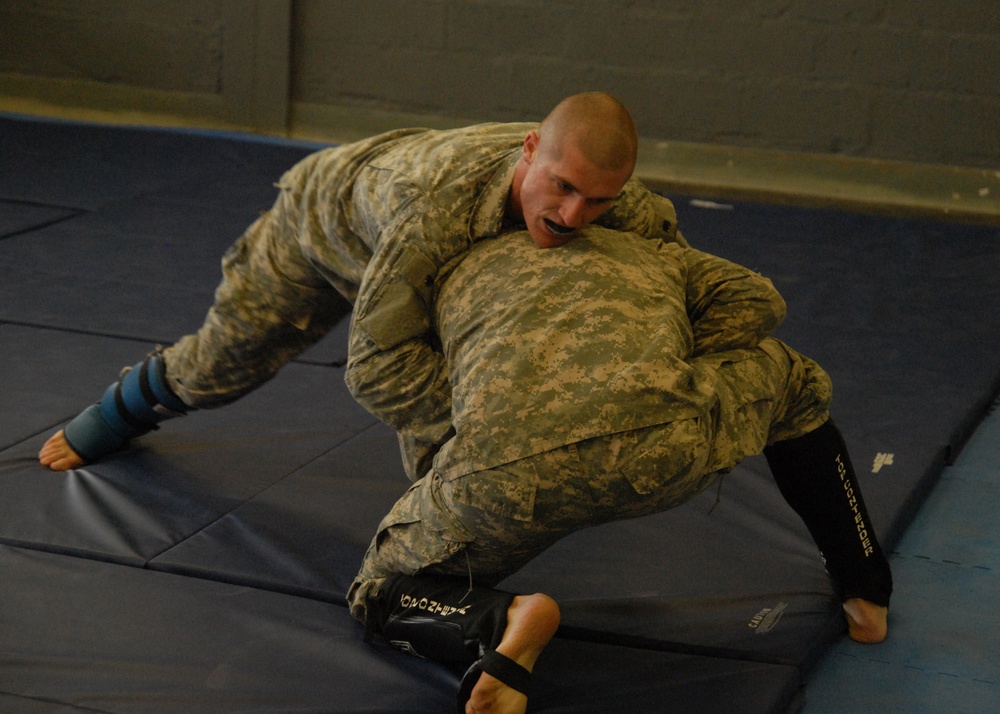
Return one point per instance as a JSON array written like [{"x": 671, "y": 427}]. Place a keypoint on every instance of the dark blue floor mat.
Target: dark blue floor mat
[
  {"x": 82, "y": 166},
  {"x": 22, "y": 217},
  {"x": 110, "y": 241},
  {"x": 941, "y": 652},
  {"x": 126, "y": 641},
  {"x": 137, "y": 504}
]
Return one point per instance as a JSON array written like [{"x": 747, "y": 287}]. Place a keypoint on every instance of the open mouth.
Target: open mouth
[{"x": 559, "y": 229}]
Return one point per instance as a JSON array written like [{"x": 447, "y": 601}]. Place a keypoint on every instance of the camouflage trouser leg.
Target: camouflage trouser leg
[
  {"x": 271, "y": 305},
  {"x": 488, "y": 524}
]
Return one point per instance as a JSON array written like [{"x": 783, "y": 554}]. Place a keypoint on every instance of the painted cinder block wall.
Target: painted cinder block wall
[{"x": 905, "y": 80}]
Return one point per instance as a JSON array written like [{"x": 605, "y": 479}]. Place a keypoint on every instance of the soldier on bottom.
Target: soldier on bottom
[{"x": 609, "y": 378}]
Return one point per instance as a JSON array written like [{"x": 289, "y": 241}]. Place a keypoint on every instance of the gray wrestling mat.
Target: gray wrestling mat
[{"x": 203, "y": 570}]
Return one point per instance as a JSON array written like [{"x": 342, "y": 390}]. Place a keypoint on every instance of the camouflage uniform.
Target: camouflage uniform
[
  {"x": 373, "y": 222},
  {"x": 605, "y": 379}
]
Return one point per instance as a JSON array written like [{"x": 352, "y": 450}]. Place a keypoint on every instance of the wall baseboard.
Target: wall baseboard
[
  {"x": 952, "y": 193},
  {"x": 710, "y": 171},
  {"x": 726, "y": 172}
]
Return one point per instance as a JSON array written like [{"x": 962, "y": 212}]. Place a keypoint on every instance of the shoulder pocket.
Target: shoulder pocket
[{"x": 398, "y": 308}]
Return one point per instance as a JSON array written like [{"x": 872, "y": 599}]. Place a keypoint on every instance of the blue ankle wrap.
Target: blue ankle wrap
[
  {"x": 90, "y": 435},
  {"x": 130, "y": 407}
]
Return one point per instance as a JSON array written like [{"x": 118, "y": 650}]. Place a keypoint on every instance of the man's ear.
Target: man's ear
[{"x": 530, "y": 146}]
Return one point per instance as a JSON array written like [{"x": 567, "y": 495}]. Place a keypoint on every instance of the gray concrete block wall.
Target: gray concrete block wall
[
  {"x": 911, "y": 80},
  {"x": 179, "y": 47}
]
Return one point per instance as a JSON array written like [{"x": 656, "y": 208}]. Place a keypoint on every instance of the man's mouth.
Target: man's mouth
[{"x": 558, "y": 228}]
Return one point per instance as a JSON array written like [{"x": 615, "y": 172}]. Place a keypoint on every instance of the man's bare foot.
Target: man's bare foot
[
  {"x": 58, "y": 455},
  {"x": 866, "y": 621},
  {"x": 532, "y": 621}
]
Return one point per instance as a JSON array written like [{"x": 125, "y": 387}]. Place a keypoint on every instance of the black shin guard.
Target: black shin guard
[
  {"x": 814, "y": 474},
  {"x": 441, "y": 618}
]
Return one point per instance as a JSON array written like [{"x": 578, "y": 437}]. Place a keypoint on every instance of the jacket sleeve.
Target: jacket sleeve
[
  {"x": 639, "y": 210},
  {"x": 730, "y": 307},
  {"x": 395, "y": 367}
]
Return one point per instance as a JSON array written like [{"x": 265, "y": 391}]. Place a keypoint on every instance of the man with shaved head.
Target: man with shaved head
[
  {"x": 572, "y": 167},
  {"x": 373, "y": 222}
]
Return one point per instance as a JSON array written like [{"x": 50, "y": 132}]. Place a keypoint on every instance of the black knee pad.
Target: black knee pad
[
  {"x": 441, "y": 618},
  {"x": 444, "y": 619}
]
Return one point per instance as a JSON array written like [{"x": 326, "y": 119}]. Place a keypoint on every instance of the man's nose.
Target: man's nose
[{"x": 572, "y": 211}]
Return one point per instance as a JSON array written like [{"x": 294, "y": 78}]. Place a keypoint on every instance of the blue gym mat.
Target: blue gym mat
[{"x": 204, "y": 568}]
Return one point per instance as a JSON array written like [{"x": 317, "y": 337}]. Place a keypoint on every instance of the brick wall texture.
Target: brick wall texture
[
  {"x": 914, "y": 80},
  {"x": 896, "y": 79}
]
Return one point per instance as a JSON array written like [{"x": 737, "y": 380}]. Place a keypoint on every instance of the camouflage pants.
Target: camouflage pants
[
  {"x": 277, "y": 297},
  {"x": 489, "y": 524}
]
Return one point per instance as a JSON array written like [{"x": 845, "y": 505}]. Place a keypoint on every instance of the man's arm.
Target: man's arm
[
  {"x": 730, "y": 307},
  {"x": 639, "y": 210},
  {"x": 406, "y": 387},
  {"x": 395, "y": 368}
]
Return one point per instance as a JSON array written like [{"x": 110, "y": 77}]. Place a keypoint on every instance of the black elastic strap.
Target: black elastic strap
[
  {"x": 144, "y": 386},
  {"x": 126, "y": 415},
  {"x": 507, "y": 671}
]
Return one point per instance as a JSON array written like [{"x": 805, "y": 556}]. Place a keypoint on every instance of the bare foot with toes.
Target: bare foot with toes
[
  {"x": 58, "y": 455},
  {"x": 532, "y": 621}
]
